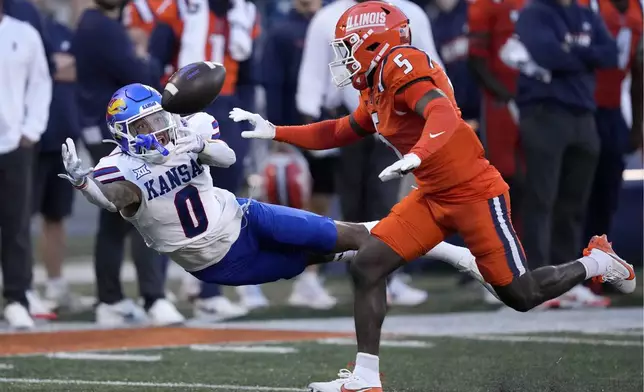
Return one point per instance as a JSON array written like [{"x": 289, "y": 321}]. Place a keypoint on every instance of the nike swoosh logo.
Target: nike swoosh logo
[
  {"x": 434, "y": 135},
  {"x": 343, "y": 389}
]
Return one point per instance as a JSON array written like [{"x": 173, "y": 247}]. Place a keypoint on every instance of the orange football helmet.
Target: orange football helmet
[{"x": 363, "y": 35}]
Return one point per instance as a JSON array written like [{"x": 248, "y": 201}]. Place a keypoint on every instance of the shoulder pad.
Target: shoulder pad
[
  {"x": 402, "y": 65},
  {"x": 204, "y": 124}
]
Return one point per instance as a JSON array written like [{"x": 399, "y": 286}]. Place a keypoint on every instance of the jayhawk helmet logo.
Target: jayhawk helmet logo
[{"x": 115, "y": 106}]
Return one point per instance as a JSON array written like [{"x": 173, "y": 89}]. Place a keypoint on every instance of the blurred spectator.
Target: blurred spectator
[
  {"x": 624, "y": 21},
  {"x": 490, "y": 25},
  {"x": 53, "y": 198},
  {"x": 106, "y": 60},
  {"x": 282, "y": 54},
  {"x": 222, "y": 31},
  {"x": 565, "y": 44},
  {"x": 449, "y": 26},
  {"x": 363, "y": 196},
  {"x": 25, "y": 96}
]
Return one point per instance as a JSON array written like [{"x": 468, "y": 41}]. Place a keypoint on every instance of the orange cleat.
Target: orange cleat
[{"x": 620, "y": 274}]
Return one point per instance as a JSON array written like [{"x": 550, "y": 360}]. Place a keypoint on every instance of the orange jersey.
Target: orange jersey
[
  {"x": 627, "y": 29},
  {"x": 206, "y": 38},
  {"x": 490, "y": 24}
]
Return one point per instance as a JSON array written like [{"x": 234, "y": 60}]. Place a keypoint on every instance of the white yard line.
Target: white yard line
[
  {"x": 90, "y": 356},
  {"x": 244, "y": 349},
  {"x": 6, "y": 366},
  {"x": 544, "y": 339},
  {"x": 383, "y": 343},
  {"x": 145, "y": 384}
]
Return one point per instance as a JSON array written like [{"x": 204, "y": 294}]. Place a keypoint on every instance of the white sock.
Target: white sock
[
  {"x": 448, "y": 253},
  {"x": 596, "y": 263},
  {"x": 370, "y": 225},
  {"x": 368, "y": 369},
  {"x": 345, "y": 256}
]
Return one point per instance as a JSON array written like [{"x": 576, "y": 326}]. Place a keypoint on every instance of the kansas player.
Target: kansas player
[{"x": 158, "y": 178}]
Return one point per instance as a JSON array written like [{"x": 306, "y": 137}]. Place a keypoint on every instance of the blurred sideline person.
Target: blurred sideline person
[
  {"x": 450, "y": 29},
  {"x": 556, "y": 99},
  {"x": 624, "y": 21},
  {"x": 52, "y": 198},
  {"x": 222, "y": 31},
  {"x": 363, "y": 197},
  {"x": 102, "y": 69},
  {"x": 281, "y": 58},
  {"x": 490, "y": 24},
  {"x": 25, "y": 97}
]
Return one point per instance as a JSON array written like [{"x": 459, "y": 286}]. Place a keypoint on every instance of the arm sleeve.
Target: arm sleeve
[
  {"x": 441, "y": 118},
  {"x": 311, "y": 84},
  {"x": 602, "y": 52},
  {"x": 328, "y": 134},
  {"x": 273, "y": 69},
  {"x": 38, "y": 92},
  {"x": 544, "y": 47}
]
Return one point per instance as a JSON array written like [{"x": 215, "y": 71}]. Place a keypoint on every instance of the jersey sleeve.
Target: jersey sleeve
[
  {"x": 110, "y": 169},
  {"x": 479, "y": 22},
  {"x": 171, "y": 16}
]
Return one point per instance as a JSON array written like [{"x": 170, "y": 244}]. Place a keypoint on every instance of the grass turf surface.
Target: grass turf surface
[
  {"x": 452, "y": 364},
  {"x": 581, "y": 362}
]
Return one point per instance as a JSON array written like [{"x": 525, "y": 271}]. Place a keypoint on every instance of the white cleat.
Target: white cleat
[
  {"x": 18, "y": 316},
  {"x": 347, "y": 382},
  {"x": 190, "y": 287},
  {"x": 252, "y": 297},
  {"x": 400, "y": 293},
  {"x": 581, "y": 296},
  {"x": 163, "y": 312},
  {"x": 57, "y": 295},
  {"x": 38, "y": 308},
  {"x": 216, "y": 309},
  {"x": 122, "y": 313},
  {"x": 309, "y": 292},
  {"x": 620, "y": 274}
]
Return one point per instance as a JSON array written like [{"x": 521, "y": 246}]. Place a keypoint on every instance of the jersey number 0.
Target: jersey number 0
[{"x": 192, "y": 214}]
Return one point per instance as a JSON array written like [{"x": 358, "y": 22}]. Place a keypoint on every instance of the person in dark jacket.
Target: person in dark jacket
[
  {"x": 565, "y": 43},
  {"x": 106, "y": 60}
]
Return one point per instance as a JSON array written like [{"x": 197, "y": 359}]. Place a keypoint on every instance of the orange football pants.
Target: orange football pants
[{"x": 417, "y": 223}]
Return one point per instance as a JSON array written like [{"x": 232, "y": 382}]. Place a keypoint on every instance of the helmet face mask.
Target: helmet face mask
[
  {"x": 344, "y": 66},
  {"x": 139, "y": 125}
]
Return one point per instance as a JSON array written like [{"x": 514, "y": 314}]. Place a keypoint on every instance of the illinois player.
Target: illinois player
[
  {"x": 408, "y": 101},
  {"x": 623, "y": 18},
  {"x": 490, "y": 25}
]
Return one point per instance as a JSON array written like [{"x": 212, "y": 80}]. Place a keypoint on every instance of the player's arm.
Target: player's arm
[
  {"x": 479, "y": 25},
  {"x": 637, "y": 97},
  {"x": 316, "y": 136},
  {"x": 431, "y": 103},
  {"x": 121, "y": 194}
]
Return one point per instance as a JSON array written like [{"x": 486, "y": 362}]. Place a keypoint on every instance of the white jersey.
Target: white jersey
[{"x": 181, "y": 213}]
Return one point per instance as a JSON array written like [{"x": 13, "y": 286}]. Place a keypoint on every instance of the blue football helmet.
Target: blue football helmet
[{"x": 138, "y": 123}]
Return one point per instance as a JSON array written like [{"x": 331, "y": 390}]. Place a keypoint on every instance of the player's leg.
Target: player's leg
[
  {"x": 405, "y": 234},
  {"x": 488, "y": 232}
]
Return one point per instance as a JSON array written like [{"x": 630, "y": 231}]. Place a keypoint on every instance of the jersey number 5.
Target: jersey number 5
[
  {"x": 402, "y": 62},
  {"x": 192, "y": 214}
]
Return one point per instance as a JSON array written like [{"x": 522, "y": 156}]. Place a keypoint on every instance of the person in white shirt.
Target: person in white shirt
[
  {"x": 362, "y": 195},
  {"x": 24, "y": 111}
]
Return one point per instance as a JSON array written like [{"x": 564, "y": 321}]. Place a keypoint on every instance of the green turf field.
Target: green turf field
[{"x": 452, "y": 343}]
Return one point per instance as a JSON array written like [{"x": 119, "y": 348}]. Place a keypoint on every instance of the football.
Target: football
[{"x": 193, "y": 87}]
